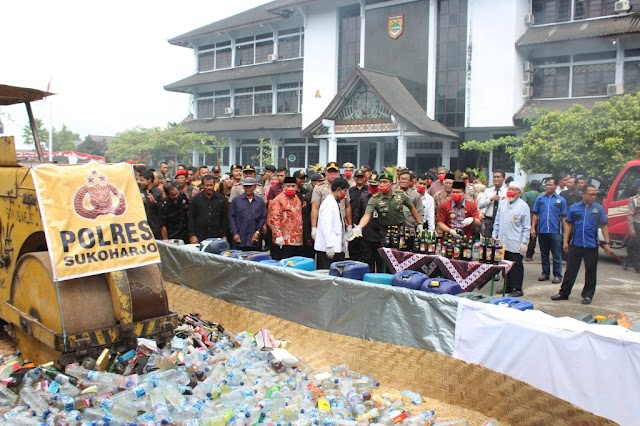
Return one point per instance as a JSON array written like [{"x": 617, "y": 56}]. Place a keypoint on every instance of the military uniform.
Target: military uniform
[{"x": 390, "y": 209}]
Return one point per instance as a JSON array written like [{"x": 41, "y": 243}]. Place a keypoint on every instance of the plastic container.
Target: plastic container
[
  {"x": 378, "y": 278},
  {"x": 299, "y": 262},
  {"x": 232, "y": 253},
  {"x": 255, "y": 256},
  {"x": 271, "y": 262},
  {"x": 214, "y": 245},
  {"x": 409, "y": 279},
  {"x": 441, "y": 286},
  {"x": 513, "y": 302},
  {"x": 349, "y": 269}
]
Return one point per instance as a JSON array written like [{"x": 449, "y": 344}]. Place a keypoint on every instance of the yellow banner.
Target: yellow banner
[{"x": 93, "y": 218}]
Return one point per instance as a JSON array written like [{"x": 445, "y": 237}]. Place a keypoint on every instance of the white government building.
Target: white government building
[{"x": 402, "y": 82}]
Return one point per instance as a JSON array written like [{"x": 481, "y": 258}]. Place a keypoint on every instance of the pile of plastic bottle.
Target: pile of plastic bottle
[{"x": 207, "y": 378}]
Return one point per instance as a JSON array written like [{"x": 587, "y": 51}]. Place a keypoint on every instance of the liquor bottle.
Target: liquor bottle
[
  {"x": 416, "y": 240},
  {"x": 409, "y": 235},
  {"x": 402, "y": 241},
  {"x": 387, "y": 237},
  {"x": 475, "y": 255},
  {"x": 394, "y": 237},
  {"x": 456, "y": 249},
  {"x": 449, "y": 249},
  {"x": 498, "y": 250},
  {"x": 438, "y": 248},
  {"x": 483, "y": 250},
  {"x": 492, "y": 251},
  {"x": 465, "y": 250},
  {"x": 431, "y": 243},
  {"x": 422, "y": 244}
]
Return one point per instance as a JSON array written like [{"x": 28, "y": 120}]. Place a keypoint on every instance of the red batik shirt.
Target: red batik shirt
[{"x": 285, "y": 218}]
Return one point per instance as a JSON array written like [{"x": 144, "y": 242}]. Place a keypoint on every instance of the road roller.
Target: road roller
[{"x": 64, "y": 321}]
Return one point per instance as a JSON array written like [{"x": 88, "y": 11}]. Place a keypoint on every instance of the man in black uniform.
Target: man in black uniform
[
  {"x": 174, "y": 214},
  {"x": 370, "y": 241},
  {"x": 151, "y": 197},
  {"x": 208, "y": 214},
  {"x": 355, "y": 195},
  {"x": 305, "y": 197}
]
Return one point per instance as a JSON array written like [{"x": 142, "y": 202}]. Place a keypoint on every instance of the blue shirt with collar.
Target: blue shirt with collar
[
  {"x": 550, "y": 211},
  {"x": 586, "y": 220}
]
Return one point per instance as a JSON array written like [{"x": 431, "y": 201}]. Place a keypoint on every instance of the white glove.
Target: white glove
[
  {"x": 356, "y": 232},
  {"x": 280, "y": 241},
  {"x": 523, "y": 248},
  {"x": 468, "y": 221},
  {"x": 419, "y": 229},
  {"x": 314, "y": 232},
  {"x": 453, "y": 233},
  {"x": 330, "y": 252},
  {"x": 349, "y": 228}
]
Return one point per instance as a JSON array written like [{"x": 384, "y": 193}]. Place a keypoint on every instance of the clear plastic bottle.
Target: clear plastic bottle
[
  {"x": 173, "y": 396},
  {"x": 160, "y": 410},
  {"x": 157, "y": 361},
  {"x": 238, "y": 395},
  {"x": 7, "y": 398},
  {"x": 452, "y": 422},
  {"x": 93, "y": 414},
  {"x": 34, "y": 400}
]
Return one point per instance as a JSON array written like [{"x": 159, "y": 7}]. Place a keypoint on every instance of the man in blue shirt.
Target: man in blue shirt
[
  {"x": 549, "y": 211},
  {"x": 584, "y": 219},
  {"x": 512, "y": 227},
  {"x": 247, "y": 214}
]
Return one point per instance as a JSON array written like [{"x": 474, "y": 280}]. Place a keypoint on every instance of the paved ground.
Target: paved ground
[{"x": 618, "y": 291}]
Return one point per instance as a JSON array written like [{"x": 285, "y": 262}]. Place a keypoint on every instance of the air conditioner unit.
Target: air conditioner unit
[
  {"x": 622, "y": 6},
  {"x": 272, "y": 57},
  {"x": 527, "y": 91},
  {"x": 529, "y": 19},
  {"x": 228, "y": 111},
  {"x": 528, "y": 78},
  {"x": 615, "y": 89},
  {"x": 528, "y": 66}
]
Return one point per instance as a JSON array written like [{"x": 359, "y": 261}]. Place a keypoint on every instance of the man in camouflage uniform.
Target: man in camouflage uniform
[{"x": 248, "y": 171}]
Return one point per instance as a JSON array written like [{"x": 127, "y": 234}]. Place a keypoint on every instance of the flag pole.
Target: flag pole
[{"x": 50, "y": 123}]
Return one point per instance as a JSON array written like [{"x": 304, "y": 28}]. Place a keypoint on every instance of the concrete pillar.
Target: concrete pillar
[
  {"x": 232, "y": 152},
  {"x": 379, "y": 154},
  {"x": 322, "y": 151},
  {"x": 402, "y": 151},
  {"x": 195, "y": 158},
  {"x": 446, "y": 154},
  {"x": 332, "y": 150}
]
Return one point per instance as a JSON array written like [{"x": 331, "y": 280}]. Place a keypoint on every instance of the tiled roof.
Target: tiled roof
[
  {"x": 252, "y": 122},
  {"x": 580, "y": 30},
  {"x": 258, "y": 15},
  {"x": 528, "y": 110},
  {"x": 266, "y": 69},
  {"x": 393, "y": 94}
]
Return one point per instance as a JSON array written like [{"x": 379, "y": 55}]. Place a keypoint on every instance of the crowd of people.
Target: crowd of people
[{"x": 346, "y": 212}]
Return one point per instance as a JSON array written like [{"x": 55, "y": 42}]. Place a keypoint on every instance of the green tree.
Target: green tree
[
  {"x": 264, "y": 152},
  {"x": 63, "y": 139},
  {"x": 93, "y": 147},
  {"x": 43, "y": 133},
  {"x": 591, "y": 142}
]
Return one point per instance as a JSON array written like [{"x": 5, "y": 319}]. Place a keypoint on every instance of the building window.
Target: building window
[
  {"x": 205, "y": 107},
  {"x": 579, "y": 75},
  {"x": 221, "y": 101},
  {"x": 214, "y": 56},
  {"x": 631, "y": 70},
  {"x": 349, "y": 42},
  {"x": 253, "y": 49},
  {"x": 289, "y": 97},
  {"x": 451, "y": 62},
  {"x": 290, "y": 43},
  {"x": 294, "y": 155},
  {"x": 548, "y": 11},
  {"x": 254, "y": 101},
  {"x": 347, "y": 153}
]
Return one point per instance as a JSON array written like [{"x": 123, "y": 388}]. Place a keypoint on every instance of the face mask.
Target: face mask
[
  {"x": 274, "y": 182},
  {"x": 440, "y": 178},
  {"x": 384, "y": 189},
  {"x": 348, "y": 174},
  {"x": 511, "y": 194},
  {"x": 290, "y": 192},
  {"x": 343, "y": 196},
  {"x": 373, "y": 189},
  {"x": 456, "y": 198},
  {"x": 421, "y": 189},
  {"x": 429, "y": 182}
]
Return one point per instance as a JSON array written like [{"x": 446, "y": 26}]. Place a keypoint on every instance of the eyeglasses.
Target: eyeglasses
[{"x": 590, "y": 195}]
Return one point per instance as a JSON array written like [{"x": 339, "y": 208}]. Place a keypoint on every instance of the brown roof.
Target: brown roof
[
  {"x": 262, "y": 14},
  {"x": 580, "y": 30},
  {"x": 528, "y": 110},
  {"x": 251, "y": 122},
  {"x": 393, "y": 94},
  {"x": 239, "y": 73}
]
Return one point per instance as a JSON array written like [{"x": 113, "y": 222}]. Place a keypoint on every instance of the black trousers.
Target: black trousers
[
  {"x": 531, "y": 248},
  {"x": 355, "y": 249},
  {"x": 574, "y": 259},
  {"x": 323, "y": 262},
  {"x": 516, "y": 274},
  {"x": 633, "y": 249},
  {"x": 488, "y": 227},
  {"x": 285, "y": 252},
  {"x": 369, "y": 254}
]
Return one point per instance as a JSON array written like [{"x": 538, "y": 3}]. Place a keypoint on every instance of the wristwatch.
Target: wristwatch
[{"x": 607, "y": 243}]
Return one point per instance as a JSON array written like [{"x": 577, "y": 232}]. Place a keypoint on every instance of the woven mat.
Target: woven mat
[{"x": 470, "y": 391}]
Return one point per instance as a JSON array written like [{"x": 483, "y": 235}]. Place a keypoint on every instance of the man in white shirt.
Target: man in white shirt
[
  {"x": 329, "y": 241},
  {"x": 490, "y": 199},
  {"x": 429, "y": 217}
]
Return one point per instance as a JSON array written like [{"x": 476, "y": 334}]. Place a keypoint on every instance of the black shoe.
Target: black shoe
[
  {"x": 516, "y": 293},
  {"x": 559, "y": 296},
  {"x": 586, "y": 300}
]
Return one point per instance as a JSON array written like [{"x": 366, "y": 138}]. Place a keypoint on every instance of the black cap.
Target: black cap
[
  {"x": 289, "y": 179},
  {"x": 333, "y": 166},
  {"x": 270, "y": 167},
  {"x": 450, "y": 176},
  {"x": 300, "y": 174},
  {"x": 317, "y": 177},
  {"x": 459, "y": 185},
  {"x": 360, "y": 172},
  {"x": 248, "y": 168},
  {"x": 235, "y": 166}
]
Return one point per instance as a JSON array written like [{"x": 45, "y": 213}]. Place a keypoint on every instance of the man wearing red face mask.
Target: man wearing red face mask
[
  {"x": 348, "y": 173},
  {"x": 285, "y": 220},
  {"x": 513, "y": 226},
  {"x": 321, "y": 192},
  {"x": 370, "y": 241},
  {"x": 438, "y": 185},
  {"x": 329, "y": 244},
  {"x": 389, "y": 205},
  {"x": 355, "y": 195},
  {"x": 428, "y": 219},
  {"x": 458, "y": 215}
]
